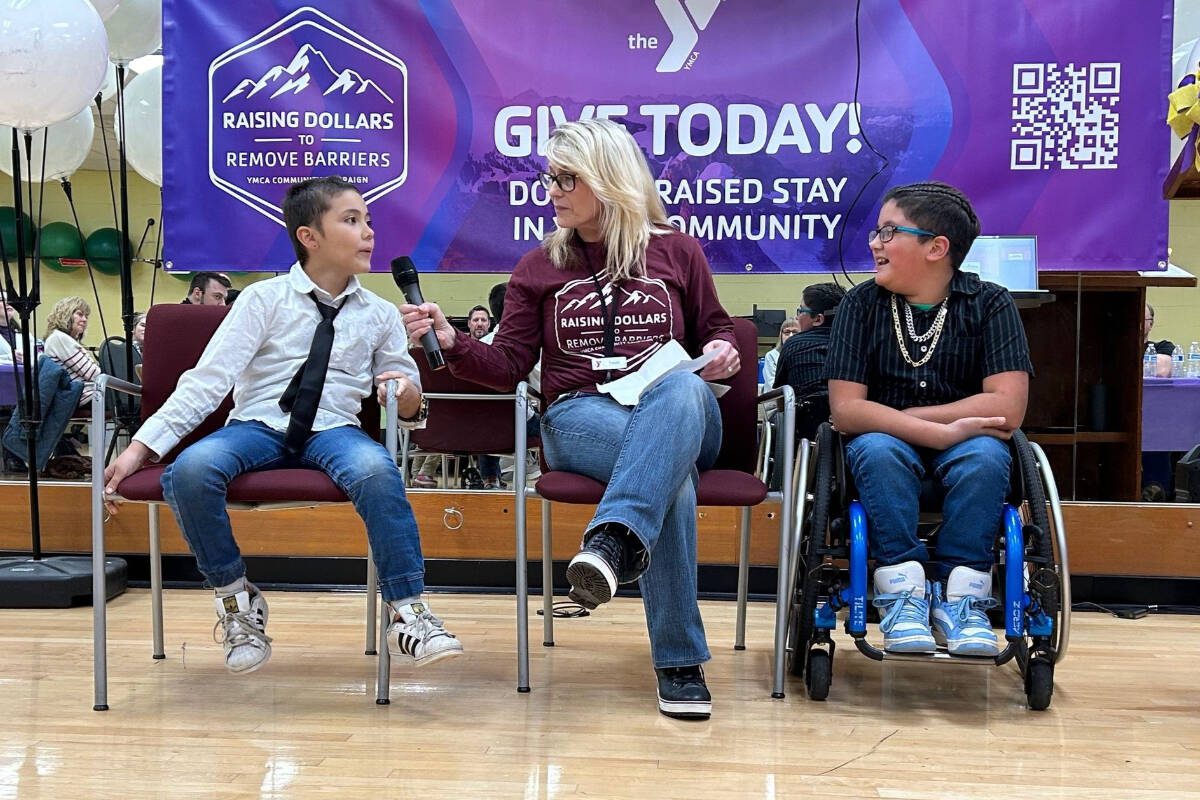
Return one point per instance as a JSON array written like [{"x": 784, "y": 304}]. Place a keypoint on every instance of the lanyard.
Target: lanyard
[{"x": 610, "y": 319}]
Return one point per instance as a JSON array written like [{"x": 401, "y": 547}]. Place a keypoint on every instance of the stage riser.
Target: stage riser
[{"x": 1104, "y": 539}]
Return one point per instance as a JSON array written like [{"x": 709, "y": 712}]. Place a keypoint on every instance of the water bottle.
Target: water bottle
[
  {"x": 1178, "y": 364},
  {"x": 1149, "y": 362},
  {"x": 1193, "y": 361}
]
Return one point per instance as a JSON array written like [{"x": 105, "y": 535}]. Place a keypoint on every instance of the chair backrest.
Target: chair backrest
[
  {"x": 112, "y": 362},
  {"x": 463, "y": 426},
  {"x": 739, "y": 409},
  {"x": 176, "y": 335}
]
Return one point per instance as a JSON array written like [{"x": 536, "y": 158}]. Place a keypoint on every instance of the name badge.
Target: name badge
[{"x": 610, "y": 363}]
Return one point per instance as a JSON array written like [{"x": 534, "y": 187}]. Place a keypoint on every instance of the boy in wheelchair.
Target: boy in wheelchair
[{"x": 928, "y": 373}]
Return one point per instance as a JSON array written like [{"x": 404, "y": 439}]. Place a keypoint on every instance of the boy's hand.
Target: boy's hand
[
  {"x": 725, "y": 365},
  {"x": 408, "y": 396},
  {"x": 968, "y": 427},
  {"x": 129, "y": 462},
  {"x": 419, "y": 320}
]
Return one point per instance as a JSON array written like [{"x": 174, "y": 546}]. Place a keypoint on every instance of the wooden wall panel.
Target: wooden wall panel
[{"x": 1104, "y": 539}]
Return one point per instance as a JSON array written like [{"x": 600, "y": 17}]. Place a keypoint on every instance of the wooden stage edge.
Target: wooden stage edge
[{"x": 1136, "y": 539}]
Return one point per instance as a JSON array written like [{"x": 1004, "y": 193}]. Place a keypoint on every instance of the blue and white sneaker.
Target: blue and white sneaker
[
  {"x": 900, "y": 589},
  {"x": 959, "y": 619}
]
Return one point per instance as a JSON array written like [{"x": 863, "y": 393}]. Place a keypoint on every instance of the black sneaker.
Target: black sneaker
[
  {"x": 611, "y": 555},
  {"x": 682, "y": 693},
  {"x": 472, "y": 480}
]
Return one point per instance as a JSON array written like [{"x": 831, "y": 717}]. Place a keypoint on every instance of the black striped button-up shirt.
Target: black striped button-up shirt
[{"x": 982, "y": 336}]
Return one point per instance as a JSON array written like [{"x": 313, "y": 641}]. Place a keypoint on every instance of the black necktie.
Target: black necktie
[{"x": 303, "y": 394}]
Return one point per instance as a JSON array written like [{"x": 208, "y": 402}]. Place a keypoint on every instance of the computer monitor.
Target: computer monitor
[{"x": 1010, "y": 261}]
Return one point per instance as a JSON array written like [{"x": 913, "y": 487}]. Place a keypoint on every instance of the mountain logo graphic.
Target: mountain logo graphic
[
  {"x": 685, "y": 19},
  {"x": 590, "y": 301},
  {"x": 309, "y": 67},
  {"x": 638, "y": 297}
]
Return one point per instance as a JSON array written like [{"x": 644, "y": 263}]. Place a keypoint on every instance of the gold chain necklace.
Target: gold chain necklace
[{"x": 934, "y": 333}]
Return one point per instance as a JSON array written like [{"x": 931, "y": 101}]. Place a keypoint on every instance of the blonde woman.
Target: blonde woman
[
  {"x": 602, "y": 293},
  {"x": 65, "y": 326}
]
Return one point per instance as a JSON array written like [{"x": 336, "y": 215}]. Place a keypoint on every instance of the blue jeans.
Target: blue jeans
[
  {"x": 975, "y": 475},
  {"x": 649, "y": 456},
  {"x": 195, "y": 486}
]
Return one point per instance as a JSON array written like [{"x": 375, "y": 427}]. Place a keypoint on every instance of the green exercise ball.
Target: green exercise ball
[
  {"x": 60, "y": 240},
  {"x": 8, "y": 230},
  {"x": 104, "y": 250}
]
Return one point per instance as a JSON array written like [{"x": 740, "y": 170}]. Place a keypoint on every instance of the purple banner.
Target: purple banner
[{"x": 1047, "y": 113}]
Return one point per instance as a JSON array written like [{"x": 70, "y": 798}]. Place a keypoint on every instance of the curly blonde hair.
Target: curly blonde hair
[{"x": 59, "y": 318}]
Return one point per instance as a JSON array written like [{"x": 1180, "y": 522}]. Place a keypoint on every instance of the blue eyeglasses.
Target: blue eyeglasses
[{"x": 885, "y": 232}]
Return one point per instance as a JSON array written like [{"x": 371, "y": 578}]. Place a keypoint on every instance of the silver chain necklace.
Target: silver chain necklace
[{"x": 934, "y": 333}]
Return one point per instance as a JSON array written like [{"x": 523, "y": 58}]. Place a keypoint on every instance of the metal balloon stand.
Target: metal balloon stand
[{"x": 36, "y": 581}]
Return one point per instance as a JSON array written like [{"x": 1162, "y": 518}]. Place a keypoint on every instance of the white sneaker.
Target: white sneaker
[
  {"x": 960, "y": 620},
  {"x": 900, "y": 589},
  {"x": 242, "y": 629},
  {"x": 418, "y": 636}
]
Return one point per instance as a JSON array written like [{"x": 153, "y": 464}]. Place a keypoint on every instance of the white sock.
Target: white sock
[
  {"x": 239, "y": 585},
  {"x": 399, "y": 604}
]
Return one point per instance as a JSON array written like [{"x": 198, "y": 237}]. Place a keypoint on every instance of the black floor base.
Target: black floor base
[{"x": 58, "y": 582}]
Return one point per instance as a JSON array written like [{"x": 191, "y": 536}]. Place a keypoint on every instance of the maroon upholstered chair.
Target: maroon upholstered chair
[
  {"x": 736, "y": 479},
  {"x": 465, "y": 418},
  {"x": 176, "y": 335}
]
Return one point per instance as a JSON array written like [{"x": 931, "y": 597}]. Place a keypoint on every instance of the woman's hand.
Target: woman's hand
[
  {"x": 419, "y": 320},
  {"x": 725, "y": 365}
]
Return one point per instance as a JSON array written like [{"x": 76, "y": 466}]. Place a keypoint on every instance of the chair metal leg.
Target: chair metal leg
[
  {"x": 99, "y": 578},
  {"x": 156, "y": 587},
  {"x": 522, "y": 580},
  {"x": 743, "y": 589},
  {"x": 372, "y": 598},
  {"x": 547, "y": 576},
  {"x": 786, "y": 572},
  {"x": 383, "y": 679}
]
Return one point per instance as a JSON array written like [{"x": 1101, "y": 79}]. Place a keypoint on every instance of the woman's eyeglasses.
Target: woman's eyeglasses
[{"x": 565, "y": 180}]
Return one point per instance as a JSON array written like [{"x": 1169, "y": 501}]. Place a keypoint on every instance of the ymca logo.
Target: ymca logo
[{"x": 685, "y": 19}]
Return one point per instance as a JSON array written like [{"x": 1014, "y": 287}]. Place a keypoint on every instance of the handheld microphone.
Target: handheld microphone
[{"x": 404, "y": 273}]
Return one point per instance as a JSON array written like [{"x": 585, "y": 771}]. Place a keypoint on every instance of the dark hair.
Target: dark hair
[
  {"x": 231, "y": 296},
  {"x": 823, "y": 298},
  {"x": 939, "y": 207},
  {"x": 471, "y": 313},
  {"x": 304, "y": 204},
  {"x": 496, "y": 300},
  {"x": 1151, "y": 310},
  {"x": 200, "y": 281}
]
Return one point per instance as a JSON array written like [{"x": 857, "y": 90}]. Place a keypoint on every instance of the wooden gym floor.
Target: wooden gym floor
[{"x": 1125, "y": 721}]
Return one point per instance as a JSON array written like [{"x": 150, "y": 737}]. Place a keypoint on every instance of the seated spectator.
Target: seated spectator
[
  {"x": 1164, "y": 348},
  {"x": 208, "y": 289},
  {"x": 771, "y": 359},
  {"x": 65, "y": 325},
  {"x": 479, "y": 322},
  {"x": 10, "y": 341},
  {"x": 803, "y": 356}
]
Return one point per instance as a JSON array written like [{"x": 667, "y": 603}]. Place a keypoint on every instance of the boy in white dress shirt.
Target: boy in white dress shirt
[{"x": 261, "y": 350}]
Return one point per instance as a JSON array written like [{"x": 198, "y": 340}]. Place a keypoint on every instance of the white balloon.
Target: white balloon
[
  {"x": 53, "y": 54},
  {"x": 143, "y": 121},
  {"x": 105, "y": 8},
  {"x": 135, "y": 30},
  {"x": 65, "y": 144}
]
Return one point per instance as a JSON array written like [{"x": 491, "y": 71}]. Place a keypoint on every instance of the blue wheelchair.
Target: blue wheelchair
[{"x": 827, "y": 577}]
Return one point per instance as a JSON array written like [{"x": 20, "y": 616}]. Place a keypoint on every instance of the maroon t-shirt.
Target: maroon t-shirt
[{"x": 560, "y": 314}]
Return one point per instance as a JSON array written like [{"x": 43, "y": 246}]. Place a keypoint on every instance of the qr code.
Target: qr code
[{"x": 1065, "y": 117}]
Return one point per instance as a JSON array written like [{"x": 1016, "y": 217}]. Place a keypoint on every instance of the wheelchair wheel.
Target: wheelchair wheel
[
  {"x": 1039, "y": 682},
  {"x": 819, "y": 674},
  {"x": 804, "y": 604},
  {"x": 1044, "y": 579}
]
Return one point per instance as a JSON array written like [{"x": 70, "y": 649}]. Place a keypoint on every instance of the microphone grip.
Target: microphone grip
[
  {"x": 429, "y": 341},
  {"x": 433, "y": 351}
]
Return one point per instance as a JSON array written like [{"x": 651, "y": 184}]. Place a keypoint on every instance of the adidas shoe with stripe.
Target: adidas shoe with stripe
[{"x": 416, "y": 635}]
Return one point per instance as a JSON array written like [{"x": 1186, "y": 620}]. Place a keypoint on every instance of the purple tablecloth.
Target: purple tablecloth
[{"x": 1170, "y": 414}]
